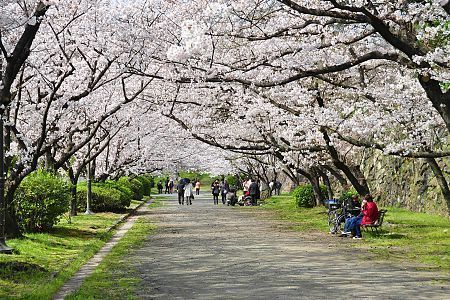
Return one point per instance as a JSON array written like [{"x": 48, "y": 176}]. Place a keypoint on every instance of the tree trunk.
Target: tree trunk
[
  {"x": 316, "y": 189},
  {"x": 440, "y": 101},
  {"x": 314, "y": 181},
  {"x": 73, "y": 192},
  {"x": 326, "y": 181},
  {"x": 342, "y": 181},
  {"x": 361, "y": 187},
  {"x": 12, "y": 228},
  {"x": 443, "y": 184}
]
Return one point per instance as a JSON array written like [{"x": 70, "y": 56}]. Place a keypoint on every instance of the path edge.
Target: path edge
[{"x": 65, "y": 290}]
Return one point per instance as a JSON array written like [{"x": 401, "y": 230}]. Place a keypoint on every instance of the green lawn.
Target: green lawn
[
  {"x": 115, "y": 278},
  {"x": 42, "y": 262},
  {"x": 406, "y": 236}
]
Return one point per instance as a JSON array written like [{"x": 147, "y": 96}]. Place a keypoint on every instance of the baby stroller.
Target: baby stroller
[
  {"x": 232, "y": 197},
  {"x": 245, "y": 200}
]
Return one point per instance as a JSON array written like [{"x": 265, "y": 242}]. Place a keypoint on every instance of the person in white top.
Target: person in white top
[
  {"x": 188, "y": 193},
  {"x": 197, "y": 187}
]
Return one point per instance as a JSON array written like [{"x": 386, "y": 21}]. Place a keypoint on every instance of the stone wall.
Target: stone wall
[{"x": 404, "y": 182}]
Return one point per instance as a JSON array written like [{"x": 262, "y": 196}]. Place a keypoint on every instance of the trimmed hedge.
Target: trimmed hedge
[
  {"x": 40, "y": 201},
  {"x": 304, "y": 195},
  {"x": 125, "y": 190},
  {"x": 138, "y": 188},
  {"x": 104, "y": 198},
  {"x": 135, "y": 185},
  {"x": 146, "y": 185}
]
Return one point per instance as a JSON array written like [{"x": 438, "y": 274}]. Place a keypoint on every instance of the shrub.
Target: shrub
[
  {"x": 152, "y": 181},
  {"x": 138, "y": 189},
  {"x": 146, "y": 185},
  {"x": 125, "y": 181},
  {"x": 134, "y": 185},
  {"x": 41, "y": 199},
  {"x": 346, "y": 196},
  {"x": 232, "y": 180},
  {"x": 104, "y": 198},
  {"x": 127, "y": 193},
  {"x": 304, "y": 195}
]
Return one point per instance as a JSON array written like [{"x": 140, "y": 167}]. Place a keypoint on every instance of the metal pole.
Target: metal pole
[
  {"x": 3, "y": 247},
  {"x": 88, "y": 182}
]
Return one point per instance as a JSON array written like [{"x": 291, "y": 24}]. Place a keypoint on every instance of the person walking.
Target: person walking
[
  {"x": 253, "y": 190},
  {"x": 166, "y": 185},
  {"x": 225, "y": 188},
  {"x": 197, "y": 187},
  {"x": 160, "y": 187},
  {"x": 188, "y": 193},
  {"x": 215, "y": 190},
  {"x": 180, "y": 192},
  {"x": 171, "y": 186},
  {"x": 277, "y": 187},
  {"x": 271, "y": 187}
]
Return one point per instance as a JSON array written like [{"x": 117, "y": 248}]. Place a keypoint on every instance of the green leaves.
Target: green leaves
[
  {"x": 40, "y": 201},
  {"x": 304, "y": 195}
]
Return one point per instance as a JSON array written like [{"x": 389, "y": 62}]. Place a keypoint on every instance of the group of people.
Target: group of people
[
  {"x": 185, "y": 189},
  {"x": 275, "y": 187},
  {"x": 168, "y": 185},
  {"x": 368, "y": 215},
  {"x": 220, "y": 188},
  {"x": 252, "y": 188}
]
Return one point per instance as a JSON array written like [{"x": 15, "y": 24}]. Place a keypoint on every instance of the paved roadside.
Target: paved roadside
[{"x": 218, "y": 252}]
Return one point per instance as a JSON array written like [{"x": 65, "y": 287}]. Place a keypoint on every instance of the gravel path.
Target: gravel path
[{"x": 218, "y": 252}]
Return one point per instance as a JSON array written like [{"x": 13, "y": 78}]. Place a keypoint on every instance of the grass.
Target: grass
[
  {"x": 42, "y": 262},
  {"x": 406, "y": 236},
  {"x": 301, "y": 219},
  {"x": 157, "y": 201},
  {"x": 115, "y": 278}
]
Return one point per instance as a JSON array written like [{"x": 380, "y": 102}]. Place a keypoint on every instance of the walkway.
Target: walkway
[{"x": 218, "y": 252}]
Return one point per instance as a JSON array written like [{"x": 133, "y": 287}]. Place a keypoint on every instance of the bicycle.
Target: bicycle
[{"x": 338, "y": 213}]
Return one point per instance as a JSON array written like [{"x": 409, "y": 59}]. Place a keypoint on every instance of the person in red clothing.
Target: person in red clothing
[
  {"x": 369, "y": 214},
  {"x": 369, "y": 211}
]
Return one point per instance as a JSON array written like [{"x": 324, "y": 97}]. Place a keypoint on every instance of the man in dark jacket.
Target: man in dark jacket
[
  {"x": 180, "y": 190},
  {"x": 253, "y": 190}
]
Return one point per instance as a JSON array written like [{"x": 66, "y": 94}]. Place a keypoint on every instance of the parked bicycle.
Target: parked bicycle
[{"x": 338, "y": 212}]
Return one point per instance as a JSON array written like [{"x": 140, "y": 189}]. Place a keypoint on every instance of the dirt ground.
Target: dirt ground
[{"x": 218, "y": 252}]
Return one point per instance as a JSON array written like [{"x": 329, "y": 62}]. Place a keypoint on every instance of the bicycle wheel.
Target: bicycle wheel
[
  {"x": 339, "y": 223},
  {"x": 333, "y": 216}
]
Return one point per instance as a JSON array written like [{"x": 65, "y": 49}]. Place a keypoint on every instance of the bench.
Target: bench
[{"x": 377, "y": 224}]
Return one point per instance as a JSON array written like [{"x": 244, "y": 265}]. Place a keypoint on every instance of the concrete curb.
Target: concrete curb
[{"x": 74, "y": 283}]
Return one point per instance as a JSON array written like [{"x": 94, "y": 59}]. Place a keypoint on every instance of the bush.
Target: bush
[
  {"x": 41, "y": 199},
  {"x": 232, "y": 180},
  {"x": 125, "y": 181},
  {"x": 146, "y": 185},
  {"x": 124, "y": 189},
  {"x": 104, "y": 198},
  {"x": 134, "y": 185},
  {"x": 304, "y": 195},
  {"x": 346, "y": 196},
  {"x": 138, "y": 189}
]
